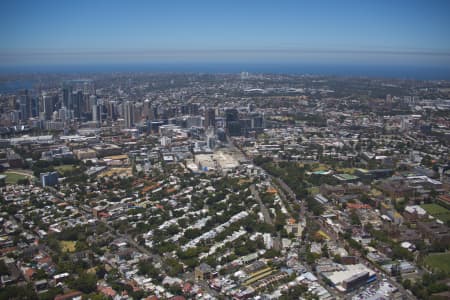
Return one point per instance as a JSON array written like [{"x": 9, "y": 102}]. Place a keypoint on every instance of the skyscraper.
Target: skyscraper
[
  {"x": 47, "y": 103},
  {"x": 111, "y": 110},
  {"x": 95, "y": 113},
  {"x": 49, "y": 179},
  {"x": 232, "y": 122},
  {"x": 146, "y": 110},
  {"x": 24, "y": 107},
  {"x": 77, "y": 104},
  {"x": 231, "y": 115},
  {"x": 210, "y": 118},
  {"x": 67, "y": 97},
  {"x": 128, "y": 110}
]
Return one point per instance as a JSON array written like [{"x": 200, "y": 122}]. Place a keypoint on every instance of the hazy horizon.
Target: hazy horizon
[{"x": 403, "y": 34}]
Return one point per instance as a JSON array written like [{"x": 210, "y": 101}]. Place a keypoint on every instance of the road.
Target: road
[
  {"x": 283, "y": 188},
  {"x": 262, "y": 207},
  {"x": 286, "y": 189},
  {"x": 334, "y": 237},
  {"x": 305, "y": 213}
]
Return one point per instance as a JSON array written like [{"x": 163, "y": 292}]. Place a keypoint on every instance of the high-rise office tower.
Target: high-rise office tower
[
  {"x": 48, "y": 106},
  {"x": 146, "y": 110},
  {"x": 92, "y": 100},
  {"x": 210, "y": 118},
  {"x": 128, "y": 110},
  {"x": 257, "y": 121},
  {"x": 232, "y": 122},
  {"x": 77, "y": 104},
  {"x": 193, "y": 109},
  {"x": 184, "y": 109},
  {"x": 67, "y": 97},
  {"x": 111, "y": 110},
  {"x": 138, "y": 107},
  {"x": 23, "y": 105},
  {"x": 34, "y": 110},
  {"x": 95, "y": 113},
  {"x": 189, "y": 109},
  {"x": 231, "y": 115}
]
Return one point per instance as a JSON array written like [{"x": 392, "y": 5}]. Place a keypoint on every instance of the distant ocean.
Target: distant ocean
[
  {"x": 402, "y": 72},
  {"x": 15, "y": 85}
]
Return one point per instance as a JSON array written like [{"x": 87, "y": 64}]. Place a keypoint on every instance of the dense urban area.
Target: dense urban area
[{"x": 223, "y": 186}]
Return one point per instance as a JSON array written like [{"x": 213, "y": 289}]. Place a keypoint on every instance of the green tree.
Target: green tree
[
  {"x": 406, "y": 284},
  {"x": 3, "y": 268},
  {"x": 147, "y": 267},
  {"x": 18, "y": 292},
  {"x": 87, "y": 283},
  {"x": 354, "y": 218}
]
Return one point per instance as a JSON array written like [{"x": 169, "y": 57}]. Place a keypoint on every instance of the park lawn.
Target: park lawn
[
  {"x": 438, "y": 261},
  {"x": 65, "y": 168},
  {"x": 437, "y": 211},
  {"x": 12, "y": 178},
  {"x": 67, "y": 246}
]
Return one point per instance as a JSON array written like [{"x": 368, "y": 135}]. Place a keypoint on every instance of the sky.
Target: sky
[{"x": 400, "y": 32}]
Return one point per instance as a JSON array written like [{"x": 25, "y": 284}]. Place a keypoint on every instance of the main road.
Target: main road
[
  {"x": 305, "y": 213},
  {"x": 262, "y": 207}
]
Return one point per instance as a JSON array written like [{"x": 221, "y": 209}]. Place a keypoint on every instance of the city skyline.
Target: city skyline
[{"x": 404, "y": 33}]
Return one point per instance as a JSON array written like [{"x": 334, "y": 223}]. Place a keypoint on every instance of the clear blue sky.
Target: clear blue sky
[{"x": 339, "y": 31}]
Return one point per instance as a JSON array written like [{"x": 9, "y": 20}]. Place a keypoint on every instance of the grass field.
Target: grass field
[
  {"x": 12, "y": 178},
  {"x": 437, "y": 211},
  {"x": 67, "y": 246},
  {"x": 65, "y": 168},
  {"x": 439, "y": 262}
]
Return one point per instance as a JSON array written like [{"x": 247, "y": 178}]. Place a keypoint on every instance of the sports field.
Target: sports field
[
  {"x": 438, "y": 262},
  {"x": 437, "y": 211},
  {"x": 13, "y": 176}
]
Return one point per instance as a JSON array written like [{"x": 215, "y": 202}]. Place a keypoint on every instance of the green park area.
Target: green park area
[
  {"x": 437, "y": 211},
  {"x": 438, "y": 262},
  {"x": 13, "y": 177},
  {"x": 65, "y": 168}
]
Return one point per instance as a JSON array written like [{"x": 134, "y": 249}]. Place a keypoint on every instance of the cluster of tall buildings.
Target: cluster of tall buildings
[
  {"x": 241, "y": 126},
  {"x": 72, "y": 104}
]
